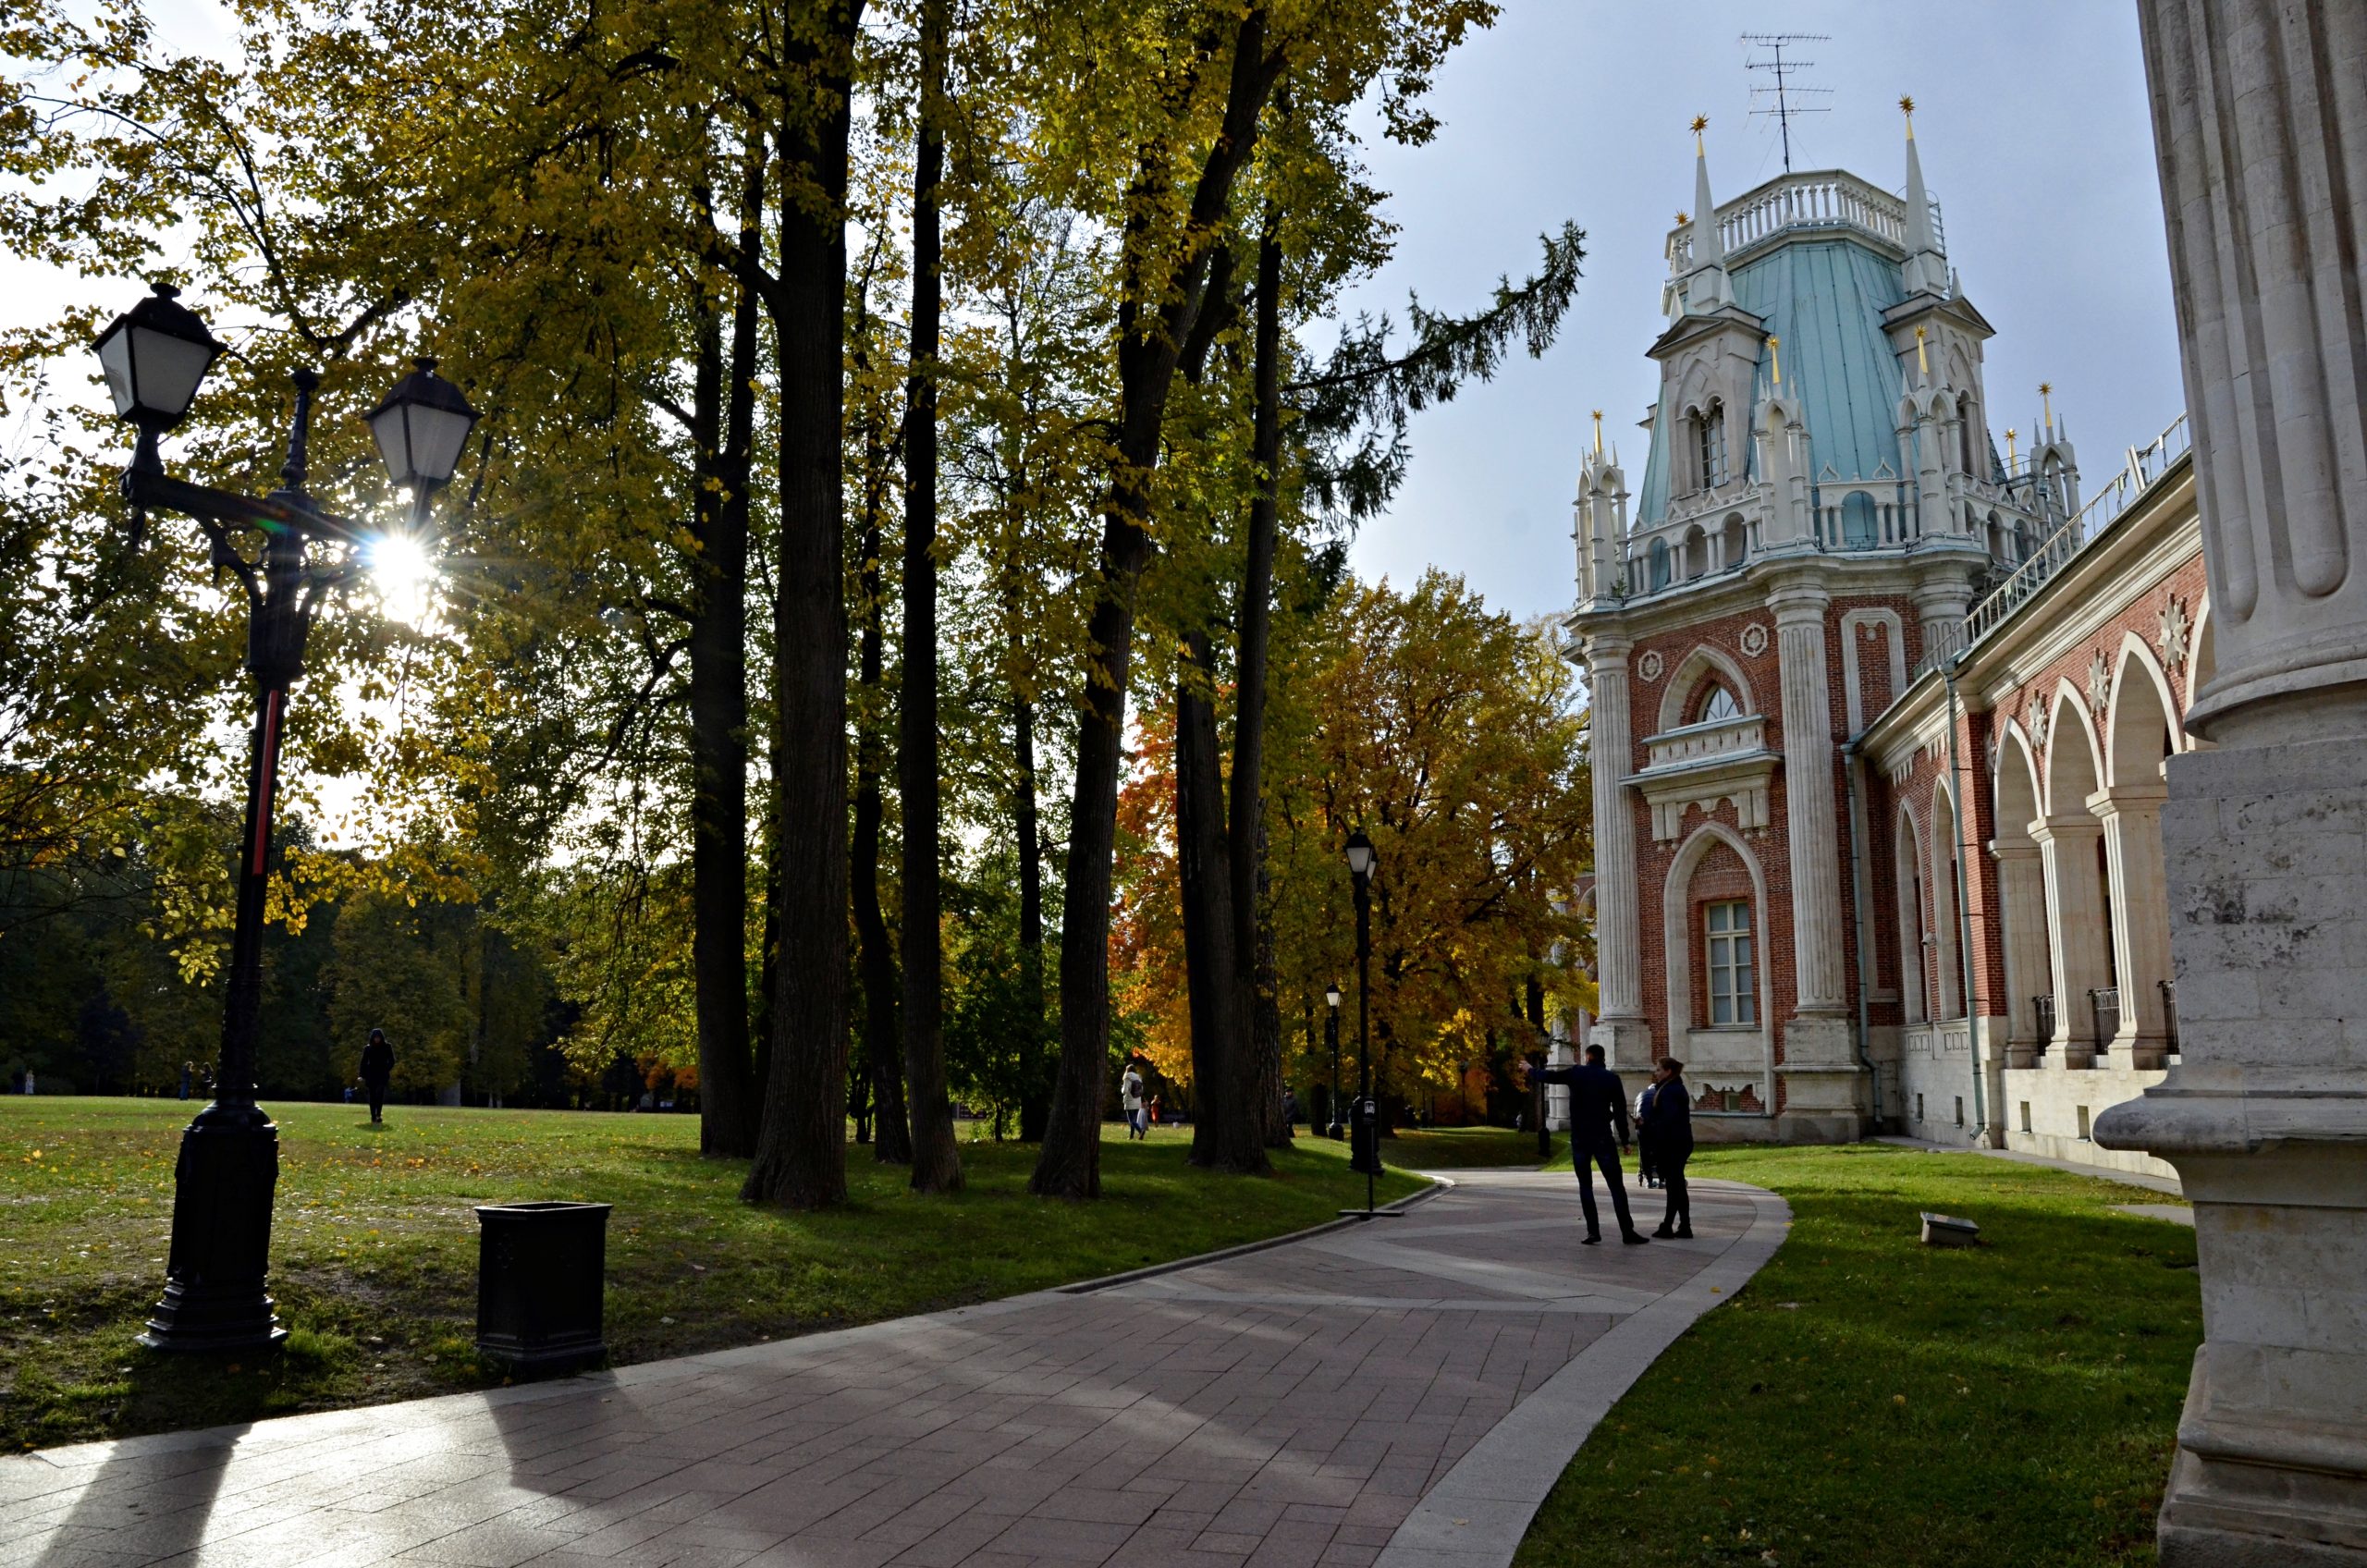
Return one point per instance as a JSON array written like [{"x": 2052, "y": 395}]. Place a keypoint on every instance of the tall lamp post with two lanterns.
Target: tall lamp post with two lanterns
[{"x": 154, "y": 357}]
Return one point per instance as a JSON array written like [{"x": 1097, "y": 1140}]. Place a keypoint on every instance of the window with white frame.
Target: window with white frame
[
  {"x": 1734, "y": 974},
  {"x": 1720, "y": 704}
]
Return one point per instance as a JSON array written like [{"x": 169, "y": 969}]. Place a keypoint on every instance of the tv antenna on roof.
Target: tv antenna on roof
[{"x": 1783, "y": 70}]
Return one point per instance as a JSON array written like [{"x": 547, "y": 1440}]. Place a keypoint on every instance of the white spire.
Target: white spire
[
  {"x": 1926, "y": 268},
  {"x": 1705, "y": 287}
]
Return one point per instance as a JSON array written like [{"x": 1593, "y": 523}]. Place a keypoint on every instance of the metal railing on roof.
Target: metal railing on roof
[
  {"x": 1830, "y": 199},
  {"x": 2144, "y": 469}
]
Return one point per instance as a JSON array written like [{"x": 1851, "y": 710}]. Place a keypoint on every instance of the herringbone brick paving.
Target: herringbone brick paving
[{"x": 1287, "y": 1408}]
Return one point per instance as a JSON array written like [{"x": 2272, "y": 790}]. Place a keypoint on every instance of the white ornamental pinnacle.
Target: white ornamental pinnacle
[
  {"x": 2172, "y": 642},
  {"x": 2099, "y": 681},
  {"x": 1754, "y": 639},
  {"x": 2036, "y": 723},
  {"x": 1649, "y": 666}
]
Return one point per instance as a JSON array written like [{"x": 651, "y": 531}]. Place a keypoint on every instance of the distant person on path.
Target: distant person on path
[
  {"x": 377, "y": 1066},
  {"x": 1290, "y": 1108},
  {"x": 1645, "y": 1167},
  {"x": 1130, "y": 1096},
  {"x": 1597, "y": 1099},
  {"x": 1669, "y": 1126},
  {"x": 189, "y": 1070}
]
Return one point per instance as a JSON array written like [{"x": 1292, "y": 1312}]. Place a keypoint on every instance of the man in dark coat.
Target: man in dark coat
[
  {"x": 1597, "y": 1099},
  {"x": 377, "y": 1066},
  {"x": 1668, "y": 1122}
]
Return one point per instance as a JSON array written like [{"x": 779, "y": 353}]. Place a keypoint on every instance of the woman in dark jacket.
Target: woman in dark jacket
[
  {"x": 1669, "y": 1123},
  {"x": 377, "y": 1066}
]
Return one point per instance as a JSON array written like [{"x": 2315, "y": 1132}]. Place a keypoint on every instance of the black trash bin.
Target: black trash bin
[{"x": 540, "y": 1271}]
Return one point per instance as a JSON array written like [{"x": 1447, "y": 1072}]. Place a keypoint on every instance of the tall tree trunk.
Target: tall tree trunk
[
  {"x": 1223, "y": 1136},
  {"x": 1245, "y": 838},
  {"x": 724, "y": 398},
  {"x": 1266, "y": 1017},
  {"x": 1070, "y": 1165},
  {"x": 874, "y": 951},
  {"x": 1036, "y": 1081},
  {"x": 936, "y": 1158},
  {"x": 801, "y": 1153}
]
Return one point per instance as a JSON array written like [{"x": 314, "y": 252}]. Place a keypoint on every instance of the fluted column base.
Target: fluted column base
[{"x": 2265, "y": 1118}]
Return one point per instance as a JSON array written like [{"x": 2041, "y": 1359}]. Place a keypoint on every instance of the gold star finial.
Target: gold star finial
[
  {"x": 2046, "y": 396},
  {"x": 1774, "y": 361},
  {"x": 1598, "y": 433},
  {"x": 1700, "y": 124},
  {"x": 2010, "y": 454},
  {"x": 1682, "y": 217},
  {"x": 1907, "y": 107},
  {"x": 1922, "y": 361}
]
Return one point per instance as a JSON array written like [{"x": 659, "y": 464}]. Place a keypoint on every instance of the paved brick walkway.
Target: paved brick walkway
[{"x": 1292, "y": 1406}]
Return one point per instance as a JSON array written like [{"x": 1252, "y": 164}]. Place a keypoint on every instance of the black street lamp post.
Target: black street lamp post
[
  {"x": 153, "y": 357},
  {"x": 1364, "y": 1147},
  {"x": 1331, "y": 1036}
]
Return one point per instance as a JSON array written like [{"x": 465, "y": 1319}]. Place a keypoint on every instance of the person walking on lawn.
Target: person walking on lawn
[
  {"x": 1668, "y": 1123},
  {"x": 1130, "y": 1096},
  {"x": 1597, "y": 1099},
  {"x": 377, "y": 1066}
]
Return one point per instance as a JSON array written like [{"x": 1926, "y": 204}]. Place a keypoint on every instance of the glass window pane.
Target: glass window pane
[
  {"x": 1742, "y": 949},
  {"x": 1717, "y": 917},
  {"x": 1742, "y": 917},
  {"x": 1721, "y": 1009}
]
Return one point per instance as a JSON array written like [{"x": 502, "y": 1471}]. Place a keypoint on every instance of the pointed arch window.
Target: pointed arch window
[
  {"x": 1709, "y": 445},
  {"x": 1964, "y": 438},
  {"x": 1720, "y": 704},
  {"x": 1733, "y": 973}
]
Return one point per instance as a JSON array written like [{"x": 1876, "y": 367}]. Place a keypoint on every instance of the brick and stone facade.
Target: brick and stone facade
[{"x": 1810, "y": 646}]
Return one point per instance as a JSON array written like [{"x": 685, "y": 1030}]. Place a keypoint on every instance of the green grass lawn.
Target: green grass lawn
[
  {"x": 374, "y": 1247},
  {"x": 1463, "y": 1148},
  {"x": 1868, "y": 1400}
]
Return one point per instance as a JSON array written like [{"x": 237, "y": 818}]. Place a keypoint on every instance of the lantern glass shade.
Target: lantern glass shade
[
  {"x": 154, "y": 356},
  {"x": 421, "y": 427},
  {"x": 1331, "y": 994},
  {"x": 1360, "y": 855}
]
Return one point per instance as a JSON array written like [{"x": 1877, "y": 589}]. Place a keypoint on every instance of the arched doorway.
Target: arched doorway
[
  {"x": 2021, "y": 883},
  {"x": 2071, "y": 841},
  {"x": 2140, "y": 735}
]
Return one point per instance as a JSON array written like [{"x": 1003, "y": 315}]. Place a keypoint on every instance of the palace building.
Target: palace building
[{"x": 1879, "y": 709}]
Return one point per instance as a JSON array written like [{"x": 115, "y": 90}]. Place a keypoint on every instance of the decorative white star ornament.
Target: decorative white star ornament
[
  {"x": 2035, "y": 722},
  {"x": 2172, "y": 641},
  {"x": 2099, "y": 681}
]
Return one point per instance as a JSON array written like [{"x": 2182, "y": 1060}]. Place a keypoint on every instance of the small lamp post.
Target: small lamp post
[
  {"x": 154, "y": 356},
  {"x": 1331, "y": 1036}
]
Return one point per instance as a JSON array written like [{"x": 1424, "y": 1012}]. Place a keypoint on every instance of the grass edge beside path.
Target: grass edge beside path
[
  {"x": 1868, "y": 1400},
  {"x": 374, "y": 1248}
]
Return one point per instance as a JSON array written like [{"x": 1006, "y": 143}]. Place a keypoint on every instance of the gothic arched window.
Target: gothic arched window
[
  {"x": 1709, "y": 445},
  {"x": 1964, "y": 438},
  {"x": 1721, "y": 705}
]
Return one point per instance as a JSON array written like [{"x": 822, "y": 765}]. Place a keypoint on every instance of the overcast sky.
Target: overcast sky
[{"x": 2032, "y": 122}]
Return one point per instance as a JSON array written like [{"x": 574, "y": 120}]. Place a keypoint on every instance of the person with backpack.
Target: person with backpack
[
  {"x": 1645, "y": 1169},
  {"x": 377, "y": 1066},
  {"x": 1130, "y": 1096}
]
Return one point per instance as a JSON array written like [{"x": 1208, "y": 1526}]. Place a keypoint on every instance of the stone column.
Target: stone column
[
  {"x": 1622, "y": 1031},
  {"x": 1823, "y": 1082},
  {"x": 2140, "y": 923},
  {"x": 2074, "y": 932},
  {"x": 2021, "y": 887},
  {"x": 2260, "y": 122}
]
